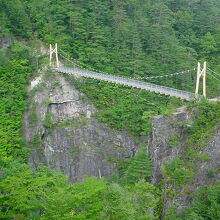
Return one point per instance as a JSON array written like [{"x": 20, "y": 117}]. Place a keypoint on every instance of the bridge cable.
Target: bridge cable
[
  {"x": 130, "y": 91},
  {"x": 152, "y": 77},
  {"x": 167, "y": 75},
  {"x": 213, "y": 76},
  {"x": 82, "y": 65},
  {"x": 217, "y": 74}
]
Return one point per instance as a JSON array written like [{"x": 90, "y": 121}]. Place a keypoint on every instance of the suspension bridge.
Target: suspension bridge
[{"x": 201, "y": 72}]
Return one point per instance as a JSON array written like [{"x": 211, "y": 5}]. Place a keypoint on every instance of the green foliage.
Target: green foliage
[
  {"x": 117, "y": 203},
  {"x": 211, "y": 172},
  {"x": 74, "y": 123},
  {"x": 203, "y": 157},
  {"x": 128, "y": 38},
  {"x": 133, "y": 169},
  {"x": 13, "y": 79},
  {"x": 124, "y": 108},
  {"x": 174, "y": 140},
  {"x": 146, "y": 197},
  {"x": 33, "y": 116},
  {"x": 199, "y": 133},
  {"x": 36, "y": 142},
  {"x": 23, "y": 192},
  {"x": 130, "y": 203},
  {"x": 77, "y": 201},
  {"x": 205, "y": 204},
  {"x": 207, "y": 116},
  {"x": 44, "y": 194},
  {"x": 17, "y": 21},
  {"x": 131, "y": 38},
  {"x": 75, "y": 151},
  {"x": 48, "y": 123},
  {"x": 176, "y": 172},
  {"x": 46, "y": 102}
]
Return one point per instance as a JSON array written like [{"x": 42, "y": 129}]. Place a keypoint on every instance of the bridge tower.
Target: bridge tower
[
  {"x": 54, "y": 51},
  {"x": 201, "y": 72}
]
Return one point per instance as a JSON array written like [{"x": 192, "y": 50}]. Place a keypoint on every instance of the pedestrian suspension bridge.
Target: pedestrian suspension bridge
[{"x": 77, "y": 71}]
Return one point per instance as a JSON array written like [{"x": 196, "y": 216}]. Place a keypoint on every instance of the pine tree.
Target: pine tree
[{"x": 139, "y": 168}]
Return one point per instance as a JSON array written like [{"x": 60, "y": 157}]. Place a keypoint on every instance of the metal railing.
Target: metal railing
[{"x": 128, "y": 82}]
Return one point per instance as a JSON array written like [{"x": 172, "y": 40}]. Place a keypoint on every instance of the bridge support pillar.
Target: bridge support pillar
[
  {"x": 201, "y": 72},
  {"x": 54, "y": 51}
]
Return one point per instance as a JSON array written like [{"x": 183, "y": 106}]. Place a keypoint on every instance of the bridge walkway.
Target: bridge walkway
[{"x": 128, "y": 82}]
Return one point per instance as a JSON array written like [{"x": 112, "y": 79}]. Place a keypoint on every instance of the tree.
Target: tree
[
  {"x": 23, "y": 192},
  {"x": 118, "y": 204},
  {"x": 205, "y": 204},
  {"x": 136, "y": 168},
  {"x": 76, "y": 201}
]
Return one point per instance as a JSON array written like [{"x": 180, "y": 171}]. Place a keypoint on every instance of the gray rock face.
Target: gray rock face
[
  {"x": 167, "y": 142},
  {"x": 5, "y": 42},
  {"x": 167, "y": 139},
  {"x": 61, "y": 132},
  {"x": 207, "y": 172}
]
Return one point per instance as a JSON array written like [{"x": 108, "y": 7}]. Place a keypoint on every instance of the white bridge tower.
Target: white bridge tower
[
  {"x": 201, "y": 72},
  {"x": 54, "y": 51}
]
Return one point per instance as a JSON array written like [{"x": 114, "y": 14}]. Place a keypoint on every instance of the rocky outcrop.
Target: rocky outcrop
[
  {"x": 168, "y": 142},
  {"x": 5, "y": 42},
  {"x": 208, "y": 170},
  {"x": 167, "y": 139},
  {"x": 62, "y": 133}
]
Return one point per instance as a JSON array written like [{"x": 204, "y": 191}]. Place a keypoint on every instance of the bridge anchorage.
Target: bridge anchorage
[{"x": 79, "y": 71}]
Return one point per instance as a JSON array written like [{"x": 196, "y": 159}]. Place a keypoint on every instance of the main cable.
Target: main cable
[
  {"x": 213, "y": 76},
  {"x": 73, "y": 61},
  {"x": 218, "y": 74}
]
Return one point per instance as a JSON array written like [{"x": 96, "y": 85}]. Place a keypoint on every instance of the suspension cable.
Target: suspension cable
[
  {"x": 167, "y": 75},
  {"x": 73, "y": 61},
  {"x": 214, "y": 72},
  {"x": 130, "y": 91},
  {"x": 213, "y": 76}
]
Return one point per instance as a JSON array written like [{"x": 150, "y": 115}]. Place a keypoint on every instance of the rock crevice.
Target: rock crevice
[
  {"x": 62, "y": 133},
  {"x": 167, "y": 142}
]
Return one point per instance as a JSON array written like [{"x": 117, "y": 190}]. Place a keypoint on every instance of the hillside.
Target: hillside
[{"x": 146, "y": 155}]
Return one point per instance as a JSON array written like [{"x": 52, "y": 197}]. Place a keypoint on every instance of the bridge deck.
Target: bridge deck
[{"x": 128, "y": 82}]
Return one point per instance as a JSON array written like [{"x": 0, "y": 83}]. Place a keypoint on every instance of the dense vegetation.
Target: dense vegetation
[
  {"x": 205, "y": 204},
  {"x": 126, "y": 37},
  {"x": 180, "y": 171},
  {"x": 44, "y": 194},
  {"x": 47, "y": 195},
  {"x": 124, "y": 108},
  {"x": 130, "y": 38},
  {"x": 13, "y": 80}
]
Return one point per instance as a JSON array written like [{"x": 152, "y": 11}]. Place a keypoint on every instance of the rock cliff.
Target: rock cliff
[
  {"x": 5, "y": 42},
  {"x": 168, "y": 142},
  {"x": 62, "y": 133},
  {"x": 167, "y": 131}
]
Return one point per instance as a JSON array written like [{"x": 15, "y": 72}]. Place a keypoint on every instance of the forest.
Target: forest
[{"x": 132, "y": 38}]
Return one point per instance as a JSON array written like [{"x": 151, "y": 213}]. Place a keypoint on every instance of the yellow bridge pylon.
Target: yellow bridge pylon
[
  {"x": 201, "y": 72},
  {"x": 54, "y": 51}
]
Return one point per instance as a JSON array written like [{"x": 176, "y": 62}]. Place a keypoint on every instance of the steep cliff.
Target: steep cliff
[
  {"x": 5, "y": 42},
  {"x": 62, "y": 133},
  {"x": 169, "y": 144},
  {"x": 167, "y": 139}
]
